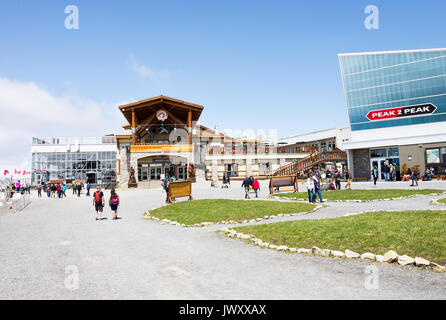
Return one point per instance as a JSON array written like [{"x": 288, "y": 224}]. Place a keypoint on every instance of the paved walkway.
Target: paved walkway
[{"x": 134, "y": 258}]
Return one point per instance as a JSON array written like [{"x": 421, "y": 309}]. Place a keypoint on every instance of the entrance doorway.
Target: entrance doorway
[
  {"x": 385, "y": 155},
  {"x": 155, "y": 171}
]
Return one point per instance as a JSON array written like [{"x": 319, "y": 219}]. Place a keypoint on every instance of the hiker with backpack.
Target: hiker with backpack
[
  {"x": 98, "y": 202},
  {"x": 114, "y": 203}
]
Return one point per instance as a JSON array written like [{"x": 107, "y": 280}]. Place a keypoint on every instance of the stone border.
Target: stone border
[
  {"x": 352, "y": 200},
  {"x": 435, "y": 201},
  {"x": 388, "y": 257},
  {"x": 149, "y": 216}
]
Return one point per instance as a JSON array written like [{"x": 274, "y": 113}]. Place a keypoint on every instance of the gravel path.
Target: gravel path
[{"x": 132, "y": 258}]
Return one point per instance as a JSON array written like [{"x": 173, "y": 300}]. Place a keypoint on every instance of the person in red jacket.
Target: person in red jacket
[{"x": 256, "y": 187}]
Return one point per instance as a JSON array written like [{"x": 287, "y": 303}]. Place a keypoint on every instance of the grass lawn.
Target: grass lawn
[
  {"x": 415, "y": 233},
  {"x": 443, "y": 201},
  {"x": 372, "y": 194},
  {"x": 214, "y": 210}
]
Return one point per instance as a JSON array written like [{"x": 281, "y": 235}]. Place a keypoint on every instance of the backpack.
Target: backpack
[
  {"x": 114, "y": 200},
  {"x": 97, "y": 196}
]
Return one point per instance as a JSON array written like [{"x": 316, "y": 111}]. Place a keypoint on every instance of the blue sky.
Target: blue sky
[{"x": 252, "y": 64}]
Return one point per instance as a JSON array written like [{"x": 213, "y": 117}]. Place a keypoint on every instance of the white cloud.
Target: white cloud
[
  {"x": 27, "y": 110},
  {"x": 144, "y": 71}
]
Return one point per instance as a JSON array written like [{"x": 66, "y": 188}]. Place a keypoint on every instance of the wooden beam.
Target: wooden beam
[
  {"x": 133, "y": 127},
  {"x": 145, "y": 123},
  {"x": 189, "y": 125}
]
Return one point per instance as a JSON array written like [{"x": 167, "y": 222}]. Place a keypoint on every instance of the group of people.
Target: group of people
[
  {"x": 165, "y": 184},
  {"x": 17, "y": 187},
  {"x": 226, "y": 180},
  {"x": 428, "y": 174},
  {"x": 58, "y": 190},
  {"x": 251, "y": 183},
  {"x": 99, "y": 203},
  {"x": 389, "y": 171}
]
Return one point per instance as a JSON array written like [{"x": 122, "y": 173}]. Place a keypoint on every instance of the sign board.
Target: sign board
[
  {"x": 399, "y": 112},
  {"x": 282, "y": 181},
  {"x": 179, "y": 189}
]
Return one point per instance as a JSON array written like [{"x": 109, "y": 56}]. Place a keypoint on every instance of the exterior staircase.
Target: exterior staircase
[{"x": 310, "y": 161}]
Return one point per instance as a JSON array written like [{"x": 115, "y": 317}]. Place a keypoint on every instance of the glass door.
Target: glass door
[{"x": 155, "y": 171}]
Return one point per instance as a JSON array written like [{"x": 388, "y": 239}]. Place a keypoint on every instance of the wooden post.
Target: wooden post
[
  {"x": 189, "y": 125},
  {"x": 133, "y": 127}
]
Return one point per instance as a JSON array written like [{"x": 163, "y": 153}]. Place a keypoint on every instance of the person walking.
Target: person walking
[
  {"x": 64, "y": 189},
  {"x": 414, "y": 177},
  {"x": 225, "y": 181},
  {"x": 39, "y": 190},
  {"x": 53, "y": 191},
  {"x": 98, "y": 202},
  {"x": 349, "y": 180},
  {"x": 74, "y": 186},
  {"x": 338, "y": 180},
  {"x": 88, "y": 189},
  {"x": 114, "y": 203},
  {"x": 391, "y": 172},
  {"x": 317, "y": 187},
  {"x": 79, "y": 188},
  {"x": 310, "y": 188},
  {"x": 58, "y": 190},
  {"x": 375, "y": 174},
  {"x": 256, "y": 187},
  {"x": 246, "y": 184}
]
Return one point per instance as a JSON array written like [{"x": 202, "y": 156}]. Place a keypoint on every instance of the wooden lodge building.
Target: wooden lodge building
[{"x": 166, "y": 139}]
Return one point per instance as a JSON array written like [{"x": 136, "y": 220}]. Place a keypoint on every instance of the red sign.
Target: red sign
[{"x": 417, "y": 110}]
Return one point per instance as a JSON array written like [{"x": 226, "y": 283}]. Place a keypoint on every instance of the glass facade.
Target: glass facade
[
  {"x": 98, "y": 167},
  {"x": 95, "y": 167},
  {"x": 386, "y": 81}
]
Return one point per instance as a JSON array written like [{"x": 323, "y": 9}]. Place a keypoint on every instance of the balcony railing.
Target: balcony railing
[
  {"x": 161, "y": 148},
  {"x": 218, "y": 150},
  {"x": 73, "y": 140}
]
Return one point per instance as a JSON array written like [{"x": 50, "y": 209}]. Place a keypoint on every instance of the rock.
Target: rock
[
  {"x": 439, "y": 268},
  {"x": 390, "y": 256},
  {"x": 303, "y": 250},
  {"x": 351, "y": 254},
  {"x": 368, "y": 255},
  {"x": 272, "y": 246},
  {"x": 280, "y": 215},
  {"x": 379, "y": 258},
  {"x": 286, "y": 215},
  {"x": 420, "y": 262},
  {"x": 252, "y": 220},
  {"x": 316, "y": 250},
  {"x": 325, "y": 252},
  {"x": 265, "y": 244},
  {"x": 405, "y": 260},
  {"x": 231, "y": 235},
  {"x": 259, "y": 242},
  {"x": 259, "y": 219},
  {"x": 292, "y": 250},
  {"x": 225, "y": 230},
  {"x": 266, "y": 217},
  {"x": 339, "y": 254},
  {"x": 273, "y": 216},
  {"x": 282, "y": 248},
  {"x": 245, "y": 236}
]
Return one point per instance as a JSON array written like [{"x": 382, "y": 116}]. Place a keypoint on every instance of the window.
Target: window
[{"x": 378, "y": 153}]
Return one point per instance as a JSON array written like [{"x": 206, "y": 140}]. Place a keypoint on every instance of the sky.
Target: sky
[{"x": 260, "y": 65}]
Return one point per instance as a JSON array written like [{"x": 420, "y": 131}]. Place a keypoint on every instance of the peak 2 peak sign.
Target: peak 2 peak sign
[{"x": 399, "y": 112}]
